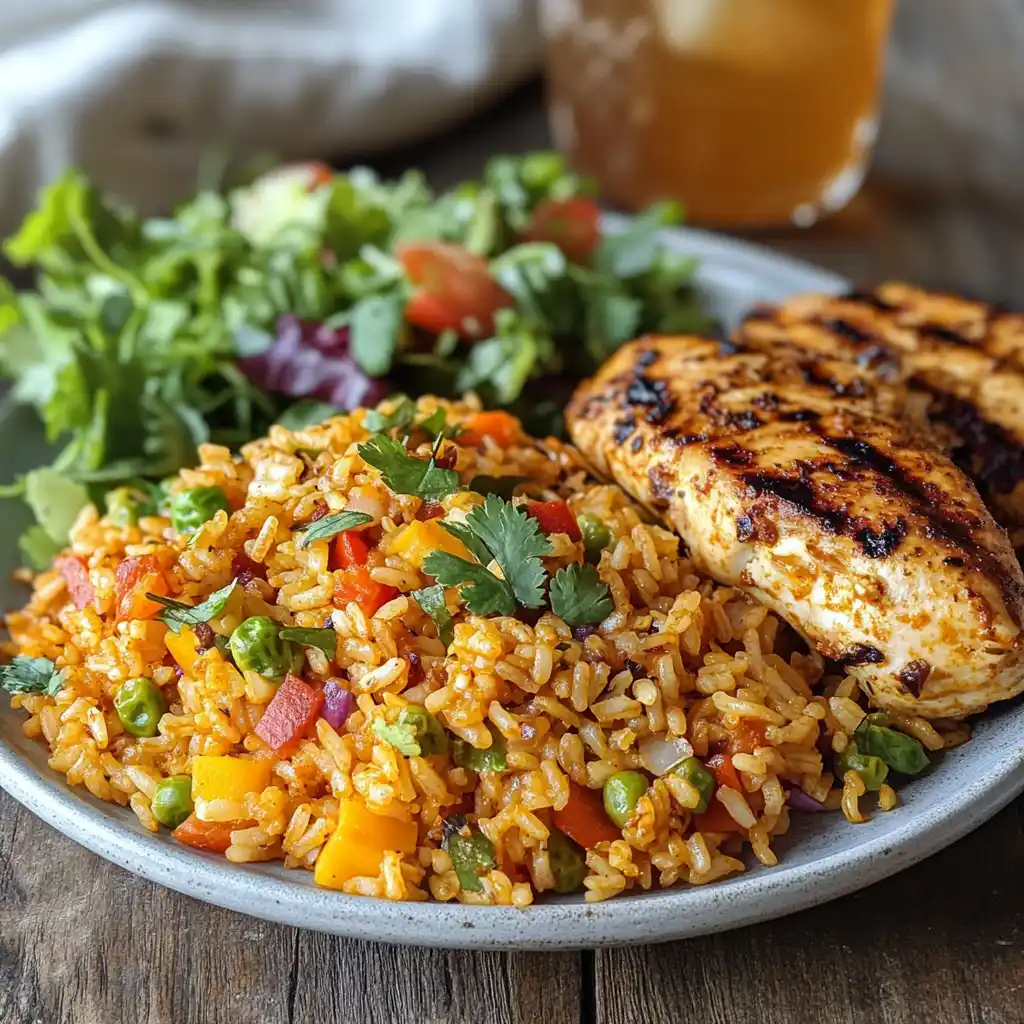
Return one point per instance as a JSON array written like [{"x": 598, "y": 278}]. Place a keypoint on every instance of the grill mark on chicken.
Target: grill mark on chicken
[{"x": 653, "y": 395}]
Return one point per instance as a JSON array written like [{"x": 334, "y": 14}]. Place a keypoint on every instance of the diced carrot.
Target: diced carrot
[
  {"x": 583, "y": 818},
  {"x": 136, "y": 577},
  {"x": 417, "y": 540},
  {"x": 725, "y": 774},
  {"x": 746, "y": 737},
  {"x": 501, "y": 427},
  {"x": 716, "y": 819},
  {"x": 554, "y": 517},
  {"x": 357, "y": 585},
  {"x": 228, "y": 778},
  {"x": 349, "y": 549},
  {"x": 290, "y": 713},
  {"x": 359, "y": 843},
  {"x": 212, "y": 836},
  {"x": 76, "y": 576}
]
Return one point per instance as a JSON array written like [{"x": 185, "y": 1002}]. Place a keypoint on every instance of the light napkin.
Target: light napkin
[{"x": 136, "y": 92}]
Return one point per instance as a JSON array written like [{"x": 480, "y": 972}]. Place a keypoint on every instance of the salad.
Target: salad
[{"x": 306, "y": 292}]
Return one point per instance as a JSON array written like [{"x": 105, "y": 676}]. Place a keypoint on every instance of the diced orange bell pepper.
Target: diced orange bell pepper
[
  {"x": 290, "y": 713},
  {"x": 554, "y": 517},
  {"x": 417, "y": 540},
  {"x": 501, "y": 427},
  {"x": 359, "y": 843},
  {"x": 583, "y": 818},
  {"x": 184, "y": 648},
  {"x": 76, "y": 576},
  {"x": 349, "y": 549},
  {"x": 136, "y": 577},
  {"x": 356, "y": 585},
  {"x": 211, "y": 836},
  {"x": 228, "y": 778}
]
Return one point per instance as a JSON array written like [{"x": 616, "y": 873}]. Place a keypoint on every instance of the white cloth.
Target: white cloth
[{"x": 136, "y": 91}]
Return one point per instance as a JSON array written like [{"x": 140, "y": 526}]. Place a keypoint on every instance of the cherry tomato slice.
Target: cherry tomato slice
[
  {"x": 571, "y": 224},
  {"x": 455, "y": 290}
]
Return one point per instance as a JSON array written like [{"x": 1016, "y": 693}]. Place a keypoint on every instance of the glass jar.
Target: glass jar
[{"x": 750, "y": 112}]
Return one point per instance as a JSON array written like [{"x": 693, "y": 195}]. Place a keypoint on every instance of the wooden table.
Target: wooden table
[{"x": 85, "y": 942}]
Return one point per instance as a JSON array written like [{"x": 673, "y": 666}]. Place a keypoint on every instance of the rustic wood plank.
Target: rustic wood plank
[
  {"x": 83, "y": 941},
  {"x": 938, "y": 943}
]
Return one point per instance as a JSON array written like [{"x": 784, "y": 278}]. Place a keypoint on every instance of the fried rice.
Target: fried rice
[{"x": 680, "y": 661}]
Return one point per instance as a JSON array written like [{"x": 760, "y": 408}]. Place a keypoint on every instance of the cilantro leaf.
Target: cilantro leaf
[
  {"x": 177, "y": 614},
  {"x": 330, "y": 526},
  {"x": 579, "y": 597},
  {"x": 38, "y": 548},
  {"x": 469, "y": 538},
  {"x": 403, "y": 736},
  {"x": 433, "y": 603},
  {"x": 56, "y": 502},
  {"x": 405, "y": 474},
  {"x": 31, "y": 675},
  {"x": 515, "y": 541},
  {"x": 503, "y": 486},
  {"x": 398, "y": 419},
  {"x": 436, "y": 425},
  {"x": 483, "y": 593},
  {"x": 325, "y": 640},
  {"x": 374, "y": 327}
]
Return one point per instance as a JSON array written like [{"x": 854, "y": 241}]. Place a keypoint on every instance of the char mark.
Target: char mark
[
  {"x": 882, "y": 543},
  {"x": 637, "y": 444},
  {"x": 813, "y": 373},
  {"x": 914, "y": 675},
  {"x": 946, "y": 334},
  {"x": 744, "y": 529},
  {"x": 870, "y": 299},
  {"x": 652, "y": 394},
  {"x": 860, "y": 654},
  {"x": 847, "y": 330},
  {"x": 732, "y": 455},
  {"x": 623, "y": 429}
]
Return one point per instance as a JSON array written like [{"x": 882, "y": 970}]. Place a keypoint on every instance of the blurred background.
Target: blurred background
[{"x": 138, "y": 92}]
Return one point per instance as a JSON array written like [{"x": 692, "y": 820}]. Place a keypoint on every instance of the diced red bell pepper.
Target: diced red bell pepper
[
  {"x": 356, "y": 584},
  {"x": 583, "y": 818},
  {"x": 716, "y": 819},
  {"x": 348, "y": 550},
  {"x": 555, "y": 517},
  {"x": 571, "y": 224},
  {"x": 136, "y": 577},
  {"x": 211, "y": 836},
  {"x": 430, "y": 510},
  {"x": 747, "y": 736},
  {"x": 720, "y": 765},
  {"x": 76, "y": 576},
  {"x": 290, "y": 713}
]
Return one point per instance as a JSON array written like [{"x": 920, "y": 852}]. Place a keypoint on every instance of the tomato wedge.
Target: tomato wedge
[
  {"x": 76, "y": 576},
  {"x": 555, "y": 517},
  {"x": 583, "y": 818},
  {"x": 571, "y": 224},
  {"x": 135, "y": 577},
  {"x": 289, "y": 714},
  {"x": 455, "y": 290}
]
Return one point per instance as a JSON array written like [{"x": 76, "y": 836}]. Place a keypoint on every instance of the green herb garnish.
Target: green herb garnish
[
  {"x": 325, "y": 640},
  {"x": 405, "y": 474},
  {"x": 433, "y": 603},
  {"x": 330, "y": 526},
  {"x": 579, "y": 597},
  {"x": 177, "y": 614},
  {"x": 31, "y": 675},
  {"x": 503, "y": 486}
]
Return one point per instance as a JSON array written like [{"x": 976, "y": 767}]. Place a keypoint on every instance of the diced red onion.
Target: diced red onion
[
  {"x": 580, "y": 633},
  {"x": 801, "y": 801},
  {"x": 309, "y": 360},
  {"x": 338, "y": 704},
  {"x": 659, "y": 756}
]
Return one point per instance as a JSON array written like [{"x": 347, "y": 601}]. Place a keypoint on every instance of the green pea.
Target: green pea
[
  {"x": 872, "y": 770},
  {"x": 198, "y": 505},
  {"x": 123, "y": 506},
  {"x": 172, "y": 801},
  {"x": 902, "y": 753},
  {"x": 472, "y": 856},
  {"x": 490, "y": 760},
  {"x": 429, "y": 731},
  {"x": 139, "y": 704},
  {"x": 568, "y": 862},
  {"x": 621, "y": 794},
  {"x": 596, "y": 536},
  {"x": 700, "y": 778},
  {"x": 256, "y": 646}
]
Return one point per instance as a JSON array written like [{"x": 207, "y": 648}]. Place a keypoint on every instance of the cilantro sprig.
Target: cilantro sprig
[
  {"x": 31, "y": 675},
  {"x": 330, "y": 526},
  {"x": 579, "y": 597},
  {"x": 177, "y": 614},
  {"x": 404, "y": 473},
  {"x": 501, "y": 533}
]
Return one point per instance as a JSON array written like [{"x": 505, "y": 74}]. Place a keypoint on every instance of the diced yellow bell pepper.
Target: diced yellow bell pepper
[
  {"x": 359, "y": 843},
  {"x": 228, "y": 778},
  {"x": 415, "y": 541},
  {"x": 184, "y": 648}
]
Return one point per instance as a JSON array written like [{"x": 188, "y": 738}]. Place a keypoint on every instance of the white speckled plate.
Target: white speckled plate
[{"x": 823, "y": 857}]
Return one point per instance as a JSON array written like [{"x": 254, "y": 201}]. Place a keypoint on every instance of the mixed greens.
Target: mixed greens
[{"x": 308, "y": 291}]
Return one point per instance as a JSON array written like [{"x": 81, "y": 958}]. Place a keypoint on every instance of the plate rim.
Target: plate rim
[{"x": 668, "y": 915}]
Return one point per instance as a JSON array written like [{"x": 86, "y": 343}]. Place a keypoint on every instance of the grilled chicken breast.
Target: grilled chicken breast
[
  {"x": 794, "y": 479},
  {"x": 965, "y": 358}
]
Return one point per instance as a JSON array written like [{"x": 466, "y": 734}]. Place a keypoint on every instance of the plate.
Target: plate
[{"x": 822, "y": 858}]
